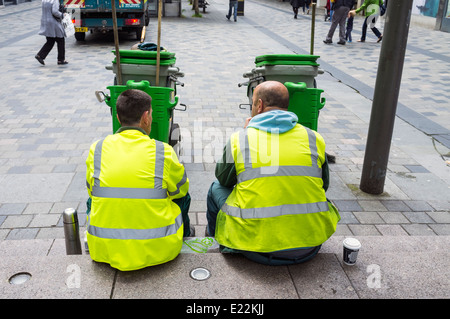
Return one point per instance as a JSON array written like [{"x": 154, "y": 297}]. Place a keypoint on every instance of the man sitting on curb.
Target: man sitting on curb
[
  {"x": 136, "y": 186},
  {"x": 269, "y": 201}
]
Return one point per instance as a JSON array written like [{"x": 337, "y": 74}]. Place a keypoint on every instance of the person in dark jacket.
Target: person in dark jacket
[
  {"x": 341, "y": 9},
  {"x": 52, "y": 29},
  {"x": 297, "y": 4}
]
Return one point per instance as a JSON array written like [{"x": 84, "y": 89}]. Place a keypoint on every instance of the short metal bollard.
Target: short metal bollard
[{"x": 72, "y": 232}]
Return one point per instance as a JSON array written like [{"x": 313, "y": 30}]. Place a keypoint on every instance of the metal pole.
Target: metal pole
[
  {"x": 313, "y": 25},
  {"x": 116, "y": 42},
  {"x": 158, "y": 47},
  {"x": 387, "y": 87},
  {"x": 71, "y": 232}
]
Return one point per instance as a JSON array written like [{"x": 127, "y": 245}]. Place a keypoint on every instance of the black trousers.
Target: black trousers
[{"x": 48, "y": 46}]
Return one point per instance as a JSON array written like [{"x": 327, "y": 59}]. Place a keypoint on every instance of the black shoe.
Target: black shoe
[
  {"x": 62, "y": 62},
  {"x": 380, "y": 38},
  {"x": 330, "y": 158},
  {"x": 41, "y": 60},
  {"x": 341, "y": 42},
  {"x": 228, "y": 17},
  {"x": 295, "y": 16},
  {"x": 327, "y": 41}
]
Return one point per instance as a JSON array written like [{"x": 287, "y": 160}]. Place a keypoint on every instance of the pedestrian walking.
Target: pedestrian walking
[
  {"x": 328, "y": 11},
  {"x": 341, "y": 9},
  {"x": 349, "y": 29},
  {"x": 331, "y": 9},
  {"x": 52, "y": 29},
  {"x": 232, "y": 6},
  {"x": 307, "y": 4},
  {"x": 372, "y": 12},
  {"x": 295, "y": 5}
]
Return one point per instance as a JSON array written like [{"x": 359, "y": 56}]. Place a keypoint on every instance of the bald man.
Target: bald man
[{"x": 269, "y": 202}]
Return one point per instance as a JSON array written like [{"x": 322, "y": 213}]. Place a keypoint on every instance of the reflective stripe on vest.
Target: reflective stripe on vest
[
  {"x": 180, "y": 183},
  {"x": 158, "y": 192},
  {"x": 268, "y": 171},
  {"x": 291, "y": 170},
  {"x": 136, "y": 234}
]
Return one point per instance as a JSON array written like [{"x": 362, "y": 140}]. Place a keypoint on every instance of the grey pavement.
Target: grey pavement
[{"x": 49, "y": 116}]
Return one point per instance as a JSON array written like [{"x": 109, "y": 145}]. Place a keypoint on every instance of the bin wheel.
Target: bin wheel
[{"x": 175, "y": 138}]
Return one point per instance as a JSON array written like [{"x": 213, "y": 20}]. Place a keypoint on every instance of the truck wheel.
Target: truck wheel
[{"x": 80, "y": 36}]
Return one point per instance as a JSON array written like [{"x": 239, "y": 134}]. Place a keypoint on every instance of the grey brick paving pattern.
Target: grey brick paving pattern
[{"x": 49, "y": 116}]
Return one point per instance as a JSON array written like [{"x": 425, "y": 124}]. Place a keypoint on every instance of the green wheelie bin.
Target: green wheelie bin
[
  {"x": 305, "y": 103},
  {"x": 163, "y": 105},
  {"x": 282, "y": 68},
  {"x": 139, "y": 65}
]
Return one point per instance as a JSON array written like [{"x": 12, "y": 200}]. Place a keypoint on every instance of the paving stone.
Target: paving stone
[
  {"x": 441, "y": 229},
  {"x": 364, "y": 230},
  {"x": 348, "y": 218},
  {"x": 38, "y": 208},
  {"x": 391, "y": 230},
  {"x": 22, "y": 233},
  {"x": 17, "y": 221},
  {"x": 395, "y": 205},
  {"x": 418, "y": 229},
  {"x": 347, "y": 205},
  {"x": 418, "y": 217},
  {"x": 440, "y": 217},
  {"x": 368, "y": 217},
  {"x": 419, "y": 205},
  {"x": 46, "y": 220},
  {"x": 372, "y": 205},
  {"x": 12, "y": 209},
  {"x": 417, "y": 169},
  {"x": 393, "y": 217}
]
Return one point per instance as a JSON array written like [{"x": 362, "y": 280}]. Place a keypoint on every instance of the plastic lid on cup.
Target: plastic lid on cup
[{"x": 352, "y": 243}]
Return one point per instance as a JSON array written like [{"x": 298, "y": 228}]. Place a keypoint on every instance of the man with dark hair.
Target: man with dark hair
[
  {"x": 269, "y": 202},
  {"x": 138, "y": 190}
]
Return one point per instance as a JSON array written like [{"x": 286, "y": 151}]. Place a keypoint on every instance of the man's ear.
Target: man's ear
[
  {"x": 117, "y": 115},
  {"x": 259, "y": 107},
  {"x": 144, "y": 117}
]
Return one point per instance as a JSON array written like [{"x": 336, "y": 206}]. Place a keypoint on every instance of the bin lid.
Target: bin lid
[
  {"x": 145, "y": 62},
  {"x": 286, "y": 59},
  {"x": 145, "y": 57},
  {"x": 140, "y": 54}
]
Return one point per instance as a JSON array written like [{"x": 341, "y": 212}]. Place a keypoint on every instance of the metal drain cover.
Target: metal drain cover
[{"x": 200, "y": 273}]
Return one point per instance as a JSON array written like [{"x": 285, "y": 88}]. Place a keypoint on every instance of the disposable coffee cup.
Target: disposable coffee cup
[{"x": 351, "y": 249}]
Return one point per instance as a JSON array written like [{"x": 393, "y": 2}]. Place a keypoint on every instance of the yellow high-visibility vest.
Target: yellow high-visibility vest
[
  {"x": 278, "y": 202},
  {"x": 132, "y": 180}
]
